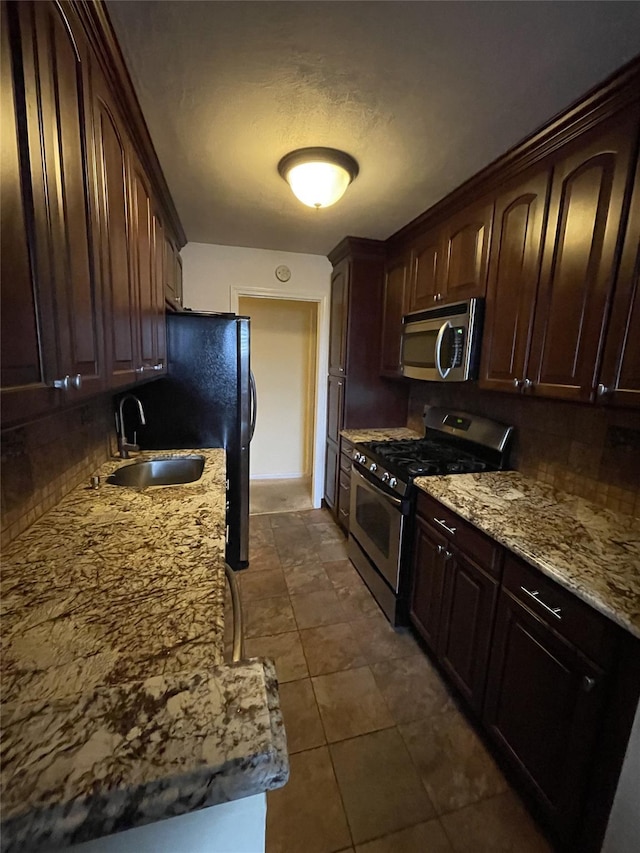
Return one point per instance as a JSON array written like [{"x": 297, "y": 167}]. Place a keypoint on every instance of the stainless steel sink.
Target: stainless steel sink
[{"x": 165, "y": 471}]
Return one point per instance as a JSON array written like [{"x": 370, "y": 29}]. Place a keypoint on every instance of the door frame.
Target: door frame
[{"x": 322, "y": 360}]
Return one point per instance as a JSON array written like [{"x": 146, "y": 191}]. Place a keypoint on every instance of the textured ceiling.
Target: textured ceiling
[{"x": 422, "y": 94}]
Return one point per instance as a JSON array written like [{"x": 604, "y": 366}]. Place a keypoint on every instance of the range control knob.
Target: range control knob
[
  {"x": 385, "y": 477},
  {"x": 393, "y": 482},
  {"x": 373, "y": 467}
]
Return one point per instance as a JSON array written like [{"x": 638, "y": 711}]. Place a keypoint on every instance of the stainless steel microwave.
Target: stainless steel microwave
[{"x": 443, "y": 344}]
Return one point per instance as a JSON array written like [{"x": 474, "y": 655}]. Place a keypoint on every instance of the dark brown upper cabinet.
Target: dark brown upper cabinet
[
  {"x": 112, "y": 168},
  {"x": 50, "y": 56},
  {"x": 620, "y": 373},
  {"x": 514, "y": 267},
  {"x": 339, "y": 318},
  {"x": 393, "y": 309},
  {"x": 172, "y": 276},
  {"x": 465, "y": 250},
  {"x": 149, "y": 294},
  {"x": 82, "y": 242},
  {"x": 590, "y": 182},
  {"x": 426, "y": 272},
  {"x": 24, "y": 383}
]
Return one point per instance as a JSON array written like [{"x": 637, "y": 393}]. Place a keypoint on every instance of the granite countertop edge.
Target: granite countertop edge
[{"x": 463, "y": 494}]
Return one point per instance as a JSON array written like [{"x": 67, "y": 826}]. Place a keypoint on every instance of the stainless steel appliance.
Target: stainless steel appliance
[
  {"x": 208, "y": 399},
  {"x": 383, "y": 493},
  {"x": 443, "y": 344}
]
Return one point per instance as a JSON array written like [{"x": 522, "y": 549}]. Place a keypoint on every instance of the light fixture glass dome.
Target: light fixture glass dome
[{"x": 318, "y": 176}]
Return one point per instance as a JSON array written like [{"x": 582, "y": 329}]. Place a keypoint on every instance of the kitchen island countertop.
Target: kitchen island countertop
[
  {"x": 591, "y": 551},
  {"x": 118, "y": 709}
]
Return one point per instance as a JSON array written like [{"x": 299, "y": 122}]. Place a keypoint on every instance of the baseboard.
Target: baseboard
[{"x": 294, "y": 476}]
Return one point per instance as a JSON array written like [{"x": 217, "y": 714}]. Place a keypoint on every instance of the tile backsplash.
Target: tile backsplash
[
  {"x": 582, "y": 449},
  {"x": 43, "y": 460}
]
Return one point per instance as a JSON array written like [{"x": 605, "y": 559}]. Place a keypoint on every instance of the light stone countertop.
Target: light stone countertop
[
  {"x": 591, "y": 551},
  {"x": 380, "y": 434},
  {"x": 118, "y": 709}
]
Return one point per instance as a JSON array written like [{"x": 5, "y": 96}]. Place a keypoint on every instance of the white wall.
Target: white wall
[
  {"x": 211, "y": 273},
  {"x": 216, "y": 277},
  {"x": 283, "y": 352},
  {"x": 623, "y": 831}
]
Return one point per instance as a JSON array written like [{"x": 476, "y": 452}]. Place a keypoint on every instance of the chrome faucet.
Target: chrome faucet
[{"x": 123, "y": 445}]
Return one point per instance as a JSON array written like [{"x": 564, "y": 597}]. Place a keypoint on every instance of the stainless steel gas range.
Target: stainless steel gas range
[{"x": 383, "y": 494}]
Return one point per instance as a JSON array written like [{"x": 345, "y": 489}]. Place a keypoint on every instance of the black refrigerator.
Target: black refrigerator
[{"x": 208, "y": 399}]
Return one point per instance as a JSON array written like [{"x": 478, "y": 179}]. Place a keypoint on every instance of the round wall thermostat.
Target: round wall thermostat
[{"x": 283, "y": 273}]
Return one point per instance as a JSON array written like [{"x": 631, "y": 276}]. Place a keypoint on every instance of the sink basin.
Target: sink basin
[{"x": 167, "y": 471}]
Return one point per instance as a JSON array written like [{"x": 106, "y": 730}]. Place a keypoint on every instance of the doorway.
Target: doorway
[{"x": 284, "y": 347}]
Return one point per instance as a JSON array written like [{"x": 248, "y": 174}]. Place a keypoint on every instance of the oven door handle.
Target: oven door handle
[
  {"x": 443, "y": 373},
  {"x": 395, "y": 501}
]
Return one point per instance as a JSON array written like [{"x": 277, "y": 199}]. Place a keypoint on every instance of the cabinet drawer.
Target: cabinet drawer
[
  {"x": 345, "y": 462},
  {"x": 592, "y": 633},
  {"x": 475, "y": 544}
]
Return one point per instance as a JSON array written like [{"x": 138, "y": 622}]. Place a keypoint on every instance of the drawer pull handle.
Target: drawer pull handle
[
  {"x": 442, "y": 523},
  {"x": 555, "y": 611}
]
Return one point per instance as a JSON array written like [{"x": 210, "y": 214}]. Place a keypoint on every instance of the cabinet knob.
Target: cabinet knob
[
  {"x": 158, "y": 366},
  {"x": 62, "y": 384},
  {"x": 588, "y": 683},
  {"x": 517, "y": 383},
  {"x": 76, "y": 381},
  {"x": 528, "y": 384},
  {"x": 603, "y": 390},
  {"x": 140, "y": 370}
]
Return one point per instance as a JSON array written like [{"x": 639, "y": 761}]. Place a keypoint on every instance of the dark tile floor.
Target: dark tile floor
[{"x": 381, "y": 759}]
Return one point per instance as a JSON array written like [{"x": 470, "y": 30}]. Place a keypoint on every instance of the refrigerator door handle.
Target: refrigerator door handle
[{"x": 254, "y": 404}]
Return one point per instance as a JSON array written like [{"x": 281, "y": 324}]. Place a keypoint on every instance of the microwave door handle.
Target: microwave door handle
[{"x": 439, "y": 339}]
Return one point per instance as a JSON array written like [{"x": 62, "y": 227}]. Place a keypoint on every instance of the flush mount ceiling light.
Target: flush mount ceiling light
[{"x": 318, "y": 176}]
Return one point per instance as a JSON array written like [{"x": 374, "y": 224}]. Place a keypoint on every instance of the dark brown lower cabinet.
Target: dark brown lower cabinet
[
  {"x": 468, "y": 606},
  {"x": 553, "y": 683},
  {"x": 543, "y": 708},
  {"x": 453, "y": 600},
  {"x": 331, "y": 475},
  {"x": 428, "y": 582}
]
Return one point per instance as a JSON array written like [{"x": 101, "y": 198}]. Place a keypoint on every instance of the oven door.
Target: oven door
[{"x": 376, "y": 522}]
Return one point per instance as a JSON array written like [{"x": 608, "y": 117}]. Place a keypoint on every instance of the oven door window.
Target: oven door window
[
  {"x": 377, "y": 524},
  {"x": 372, "y": 516}
]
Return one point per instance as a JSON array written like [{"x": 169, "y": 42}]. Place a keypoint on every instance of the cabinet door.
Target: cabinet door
[
  {"x": 159, "y": 280},
  {"x": 620, "y": 374},
  {"x": 542, "y": 708},
  {"x": 24, "y": 389},
  {"x": 172, "y": 276},
  {"x": 113, "y": 236},
  {"x": 465, "y": 251},
  {"x": 335, "y": 407},
  {"x": 149, "y": 311},
  {"x": 428, "y": 567},
  {"x": 54, "y": 74},
  {"x": 339, "y": 319},
  {"x": 393, "y": 310},
  {"x": 514, "y": 267},
  {"x": 585, "y": 208},
  {"x": 426, "y": 272},
  {"x": 331, "y": 475},
  {"x": 466, "y": 623}
]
